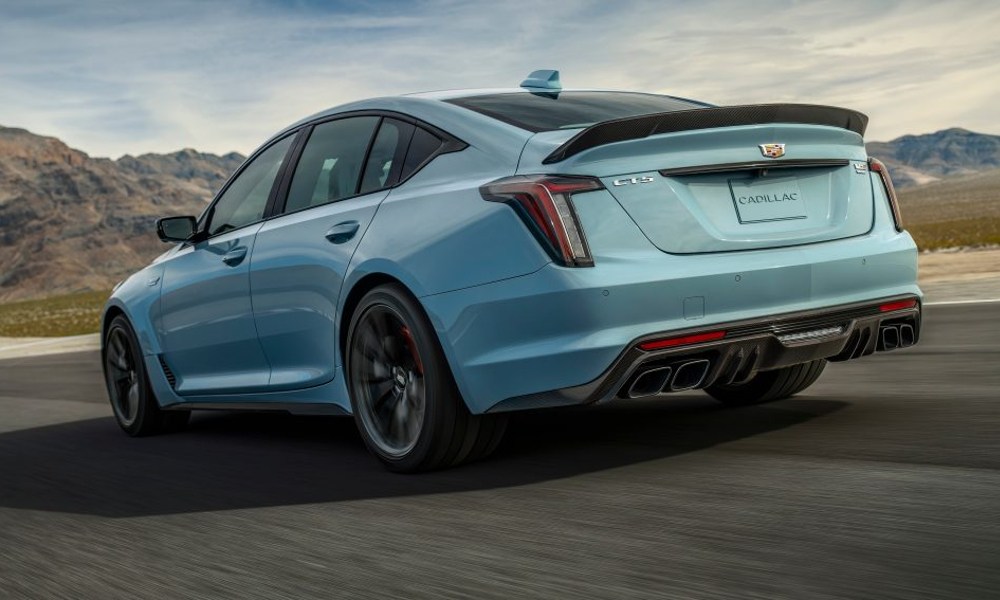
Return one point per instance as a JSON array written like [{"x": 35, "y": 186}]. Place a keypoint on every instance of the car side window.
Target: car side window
[
  {"x": 387, "y": 152},
  {"x": 245, "y": 200},
  {"x": 331, "y": 162},
  {"x": 423, "y": 145}
]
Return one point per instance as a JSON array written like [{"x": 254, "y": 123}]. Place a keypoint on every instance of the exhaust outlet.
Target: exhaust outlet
[
  {"x": 689, "y": 375},
  {"x": 650, "y": 383},
  {"x": 906, "y": 336},
  {"x": 890, "y": 337}
]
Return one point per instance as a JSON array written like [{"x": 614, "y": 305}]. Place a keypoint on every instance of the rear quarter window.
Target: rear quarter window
[{"x": 423, "y": 146}]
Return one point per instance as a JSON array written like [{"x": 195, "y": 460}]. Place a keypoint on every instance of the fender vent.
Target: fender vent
[{"x": 167, "y": 372}]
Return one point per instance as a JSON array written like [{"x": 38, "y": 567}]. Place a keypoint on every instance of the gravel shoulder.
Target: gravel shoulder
[
  {"x": 960, "y": 275},
  {"x": 960, "y": 265},
  {"x": 22, "y": 347}
]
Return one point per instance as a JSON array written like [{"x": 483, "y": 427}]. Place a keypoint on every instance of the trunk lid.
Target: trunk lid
[{"x": 717, "y": 190}]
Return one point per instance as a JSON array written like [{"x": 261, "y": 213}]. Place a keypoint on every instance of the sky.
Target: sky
[{"x": 111, "y": 77}]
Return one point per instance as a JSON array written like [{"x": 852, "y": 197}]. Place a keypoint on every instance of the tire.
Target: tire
[
  {"x": 407, "y": 407},
  {"x": 132, "y": 400},
  {"x": 768, "y": 386}
]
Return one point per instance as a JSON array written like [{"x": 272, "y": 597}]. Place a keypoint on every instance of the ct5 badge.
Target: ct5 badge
[{"x": 643, "y": 179}]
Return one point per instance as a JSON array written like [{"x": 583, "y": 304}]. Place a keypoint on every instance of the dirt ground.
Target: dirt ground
[
  {"x": 961, "y": 265},
  {"x": 960, "y": 276}
]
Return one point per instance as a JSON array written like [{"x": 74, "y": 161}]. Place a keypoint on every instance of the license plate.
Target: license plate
[{"x": 759, "y": 200}]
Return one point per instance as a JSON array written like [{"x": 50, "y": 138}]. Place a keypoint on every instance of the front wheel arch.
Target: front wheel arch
[{"x": 109, "y": 315}]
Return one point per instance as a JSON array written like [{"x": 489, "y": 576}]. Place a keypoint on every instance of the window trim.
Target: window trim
[
  {"x": 402, "y": 145},
  {"x": 401, "y": 150},
  {"x": 450, "y": 144},
  {"x": 364, "y": 161}
]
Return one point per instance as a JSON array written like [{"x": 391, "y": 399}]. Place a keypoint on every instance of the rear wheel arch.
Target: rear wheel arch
[
  {"x": 353, "y": 298},
  {"x": 446, "y": 433},
  {"x": 358, "y": 291}
]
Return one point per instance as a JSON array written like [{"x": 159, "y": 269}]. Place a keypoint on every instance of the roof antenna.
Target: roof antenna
[{"x": 543, "y": 80}]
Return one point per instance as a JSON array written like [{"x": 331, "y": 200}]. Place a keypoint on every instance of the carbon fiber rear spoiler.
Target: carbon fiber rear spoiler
[{"x": 634, "y": 128}]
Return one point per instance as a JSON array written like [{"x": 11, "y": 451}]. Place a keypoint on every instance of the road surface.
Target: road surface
[{"x": 879, "y": 482}]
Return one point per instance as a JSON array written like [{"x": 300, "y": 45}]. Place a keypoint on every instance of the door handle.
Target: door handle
[
  {"x": 342, "y": 232},
  {"x": 235, "y": 256}
]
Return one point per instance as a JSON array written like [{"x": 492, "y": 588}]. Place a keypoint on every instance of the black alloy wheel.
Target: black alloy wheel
[
  {"x": 405, "y": 401},
  {"x": 132, "y": 400}
]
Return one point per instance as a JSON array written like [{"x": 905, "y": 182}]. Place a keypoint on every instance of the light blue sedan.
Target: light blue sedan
[{"x": 429, "y": 263}]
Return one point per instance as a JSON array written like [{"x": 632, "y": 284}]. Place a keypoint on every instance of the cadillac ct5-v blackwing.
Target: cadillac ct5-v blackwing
[{"x": 428, "y": 263}]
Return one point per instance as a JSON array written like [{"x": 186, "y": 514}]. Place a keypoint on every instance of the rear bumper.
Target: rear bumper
[
  {"x": 561, "y": 328},
  {"x": 742, "y": 349}
]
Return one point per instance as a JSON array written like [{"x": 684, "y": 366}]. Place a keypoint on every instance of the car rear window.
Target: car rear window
[{"x": 569, "y": 110}]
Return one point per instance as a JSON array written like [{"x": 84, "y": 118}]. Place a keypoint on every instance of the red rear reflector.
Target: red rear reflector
[
  {"x": 682, "y": 341},
  {"x": 898, "y": 305}
]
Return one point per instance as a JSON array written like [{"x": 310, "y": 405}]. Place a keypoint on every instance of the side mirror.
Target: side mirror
[{"x": 176, "y": 229}]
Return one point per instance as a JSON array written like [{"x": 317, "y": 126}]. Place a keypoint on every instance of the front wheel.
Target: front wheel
[
  {"x": 405, "y": 401},
  {"x": 768, "y": 386},
  {"x": 132, "y": 400}
]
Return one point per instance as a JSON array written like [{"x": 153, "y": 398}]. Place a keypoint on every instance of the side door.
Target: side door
[
  {"x": 344, "y": 171},
  {"x": 206, "y": 323}
]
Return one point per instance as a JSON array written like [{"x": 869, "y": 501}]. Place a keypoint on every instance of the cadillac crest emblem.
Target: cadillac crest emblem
[{"x": 772, "y": 150}]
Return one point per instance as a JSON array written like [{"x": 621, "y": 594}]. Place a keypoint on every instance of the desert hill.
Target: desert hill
[
  {"x": 70, "y": 222},
  {"x": 918, "y": 159}
]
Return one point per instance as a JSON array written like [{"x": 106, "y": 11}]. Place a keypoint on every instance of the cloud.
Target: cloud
[{"x": 117, "y": 77}]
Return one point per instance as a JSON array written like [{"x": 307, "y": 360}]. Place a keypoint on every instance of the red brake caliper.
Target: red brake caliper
[{"x": 412, "y": 345}]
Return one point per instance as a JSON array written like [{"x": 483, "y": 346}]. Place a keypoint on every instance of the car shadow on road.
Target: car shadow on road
[{"x": 233, "y": 461}]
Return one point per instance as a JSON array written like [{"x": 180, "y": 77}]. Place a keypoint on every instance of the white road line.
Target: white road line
[{"x": 951, "y": 302}]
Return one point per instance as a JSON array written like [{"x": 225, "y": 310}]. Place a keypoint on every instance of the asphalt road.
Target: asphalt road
[{"x": 879, "y": 482}]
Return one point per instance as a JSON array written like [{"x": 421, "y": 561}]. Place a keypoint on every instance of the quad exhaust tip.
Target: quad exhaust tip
[
  {"x": 906, "y": 335},
  {"x": 689, "y": 375},
  {"x": 650, "y": 383},
  {"x": 892, "y": 337},
  {"x": 674, "y": 378}
]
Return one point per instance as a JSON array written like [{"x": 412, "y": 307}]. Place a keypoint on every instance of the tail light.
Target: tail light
[
  {"x": 545, "y": 204},
  {"x": 877, "y": 166}
]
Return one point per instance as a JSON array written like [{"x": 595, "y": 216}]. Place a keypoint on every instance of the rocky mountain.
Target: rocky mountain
[
  {"x": 919, "y": 159},
  {"x": 195, "y": 170},
  {"x": 70, "y": 222}
]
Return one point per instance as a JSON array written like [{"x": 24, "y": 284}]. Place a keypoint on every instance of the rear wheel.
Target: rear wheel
[
  {"x": 132, "y": 400},
  {"x": 768, "y": 386},
  {"x": 405, "y": 402}
]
